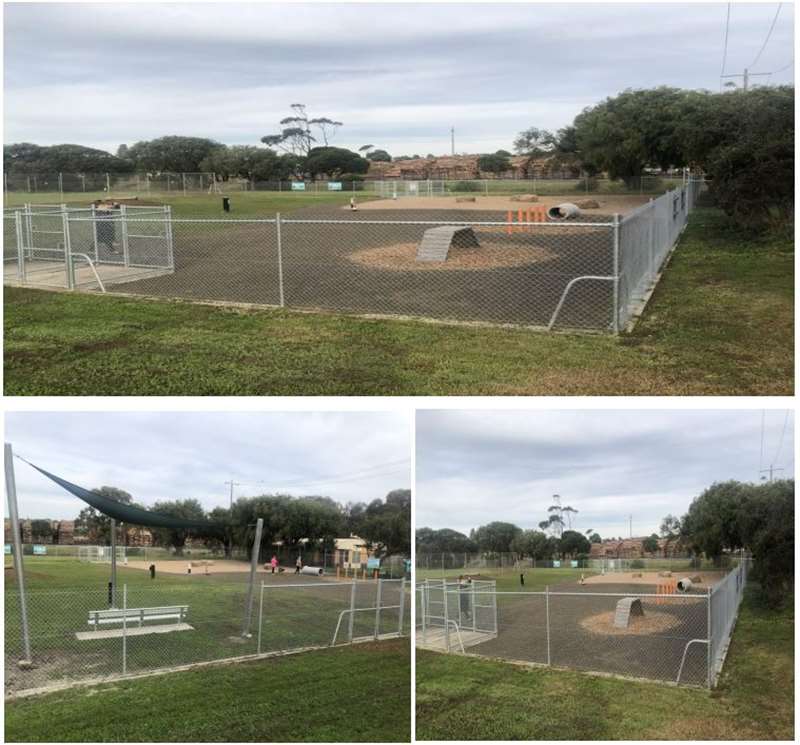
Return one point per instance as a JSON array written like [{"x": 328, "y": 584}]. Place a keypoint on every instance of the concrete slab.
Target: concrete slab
[{"x": 164, "y": 628}]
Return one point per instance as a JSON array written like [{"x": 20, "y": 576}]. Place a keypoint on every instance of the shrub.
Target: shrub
[
  {"x": 464, "y": 186},
  {"x": 637, "y": 564}
]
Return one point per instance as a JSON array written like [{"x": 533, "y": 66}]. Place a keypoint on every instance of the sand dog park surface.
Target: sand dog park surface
[
  {"x": 707, "y": 579},
  {"x": 608, "y": 204}
]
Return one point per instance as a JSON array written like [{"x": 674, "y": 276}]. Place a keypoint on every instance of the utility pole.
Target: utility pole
[
  {"x": 745, "y": 76},
  {"x": 232, "y": 483},
  {"x": 771, "y": 470},
  {"x": 452, "y": 140},
  {"x": 630, "y": 526}
]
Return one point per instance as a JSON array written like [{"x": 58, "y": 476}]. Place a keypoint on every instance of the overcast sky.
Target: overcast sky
[
  {"x": 397, "y": 75},
  {"x": 479, "y": 466},
  {"x": 347, "y": 456}
]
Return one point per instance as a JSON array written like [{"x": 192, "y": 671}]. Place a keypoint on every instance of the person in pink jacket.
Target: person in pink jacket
[{"x": 273, "y": 562}]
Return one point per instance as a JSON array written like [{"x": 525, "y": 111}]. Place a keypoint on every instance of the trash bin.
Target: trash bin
[{"x": 226, "y": 204}]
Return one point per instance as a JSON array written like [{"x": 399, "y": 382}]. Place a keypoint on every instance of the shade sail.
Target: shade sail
[{"x": 127, "y": 513}]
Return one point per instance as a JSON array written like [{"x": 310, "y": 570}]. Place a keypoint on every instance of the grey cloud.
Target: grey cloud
[
  {"x": 349, "y": 457},
  {"x": 474, "y": 467},
  {"x": 500, "y": 67}
]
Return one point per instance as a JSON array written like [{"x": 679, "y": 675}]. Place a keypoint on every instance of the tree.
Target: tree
[
  {"x": 171, "y": 154},
  {"x": 534, "y": 142},
  {"x": 533, "y": 543},
  {"x": 189, "y": 509},
  {"x": 25, "y": 157},
  {"x": 711, "y": 526},
  {"x": 744, "y": 141},
  {"x": 386, "y": 526},
  {"x": 496, "y": 537},
  {"x": 573, "y": 543},
  {"x": 94, "y": 524},
  {"x": 650, "y": 544},
  {"x": 670, "y": 527},
  {"x": 296, "y": 137},
  {"x": 41, "y": 529},
  {"x": 595, "y": 538},
  {"x": 627, "y": 133},
  {"x": 767, "y": 529},
  {"x": 494, "y": 163},
  {"x": 333, "y": 161},
  {"x": 444, "y": 541},
  {"x": 379, "y": 156}
]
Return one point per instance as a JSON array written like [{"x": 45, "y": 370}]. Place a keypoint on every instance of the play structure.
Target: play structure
[
  {"x": 525, "y": 218},
  {"x": 437, "y": 242}
]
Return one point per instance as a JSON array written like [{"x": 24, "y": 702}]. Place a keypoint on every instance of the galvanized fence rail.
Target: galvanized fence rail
[
  {"x": 668, "y": 636},
  {"x": 93, "y": 633}
]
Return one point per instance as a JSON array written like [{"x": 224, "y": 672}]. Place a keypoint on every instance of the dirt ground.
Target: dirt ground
[
  {"x": 221, "y": 567},
  {"x": 609, "y": 204},
  {"x": 577, "y": 640},
  {"x": 708, "y": 579},
  {"x": 345, "y": 266}
]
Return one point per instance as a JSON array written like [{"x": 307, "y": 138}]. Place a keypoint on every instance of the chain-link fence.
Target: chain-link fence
[
  {"x": 675, "y": 631},
  {"x": 85, "y": 633},
  {"x": 590, "y": 273},
  {"x": 454, "y": 563},
  {"x": 144, "y": 184}
]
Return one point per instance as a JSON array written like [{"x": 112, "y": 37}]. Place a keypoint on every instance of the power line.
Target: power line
[
  {"x": 785, "y": 67},
  {"x": 725, "y": 50},
  {"x": 769, "y": 34},
  {"x": 783, "y": 433}
]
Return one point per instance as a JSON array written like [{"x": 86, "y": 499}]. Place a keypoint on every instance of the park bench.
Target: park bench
[
  {"x": 138, "y": 616},
  {"x": 627, "y": 607},
  {"x": 136, "y": 622},
  {"x": 436, "y": 242}
]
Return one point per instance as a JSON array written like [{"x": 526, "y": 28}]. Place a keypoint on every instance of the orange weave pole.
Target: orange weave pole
[{"x": 510, "y": 229}]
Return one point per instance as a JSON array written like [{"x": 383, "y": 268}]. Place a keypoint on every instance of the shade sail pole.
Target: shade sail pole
[
  {"x": 248, "y": 613},
  {"x": 13, "y": 514}
]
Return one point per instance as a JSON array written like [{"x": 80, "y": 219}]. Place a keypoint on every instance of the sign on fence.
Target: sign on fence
[
  {"x": 334, "y": 185},
  {"x": 39, "y": 550},
  {"x": 373, "y": 563},
  {"x": 298, "y": 186}
]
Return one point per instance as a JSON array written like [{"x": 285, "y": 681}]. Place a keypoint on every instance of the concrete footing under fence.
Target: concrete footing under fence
[
  {"x": 163, "y": 628},
  {"x": 49, "y": 274}
]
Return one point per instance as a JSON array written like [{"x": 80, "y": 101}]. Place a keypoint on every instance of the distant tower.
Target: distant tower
[{"x": 452, "y": 140}]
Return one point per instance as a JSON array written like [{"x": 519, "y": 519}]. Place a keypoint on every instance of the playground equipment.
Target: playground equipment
[
  {"x": 437, "y": 242},
  {"x": 665, "y": 586},
  {"x": 563, "y": 211},
  {"x": 627, "y": 607},
  {"x": 317, "y": 571},
  {"x": 524, "y": 217},
  {"x": 684, "y": 585}
]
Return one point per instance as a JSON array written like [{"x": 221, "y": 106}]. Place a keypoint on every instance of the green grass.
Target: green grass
[
  {"x": 720, "y": 323},
  {"x": 459, "y": 698},
  {"x": 245, "y": 204},
  {"x": 62, "y": 592},
  {"x": 353, "y": 694}
]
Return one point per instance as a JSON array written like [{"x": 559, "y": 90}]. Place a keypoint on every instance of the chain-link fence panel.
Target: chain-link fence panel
[
  {"x": 502, "y": 273},
  {"x": 634, "y": 634}
]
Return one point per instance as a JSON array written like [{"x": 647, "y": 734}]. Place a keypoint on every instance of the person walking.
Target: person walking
[
  {"x": 298, "y": 565},
  {"x": 273, "y": 562},
  {"x": 104, "y": 225}
]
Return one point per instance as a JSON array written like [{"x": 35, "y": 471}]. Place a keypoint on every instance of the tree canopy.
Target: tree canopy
[
  {"x": 496, "y": 537},
  {"x": 173, "y": 154},
  {"x": 25, "y": 157}
]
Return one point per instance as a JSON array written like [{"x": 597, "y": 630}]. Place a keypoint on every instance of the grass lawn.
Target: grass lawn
[
  {"x": 353, "y": 694},
  {"x": 244, "y": 204},
  {"x": 473, "y": 699},
  {"x": 720, "y": 323}
]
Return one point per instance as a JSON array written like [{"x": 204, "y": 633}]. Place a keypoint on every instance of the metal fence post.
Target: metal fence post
[
  {"x": 378, "y": 610},
  {"x": 402, "y": 605},
  {"x": 446, "y": 617},
  {"x": 352, "y": 612},
  {"x": 710, "y": 637},
  {"x": 16, "y": 538},
  {"x": 94, "y": 234},
  {"x": 652, "y": 238},
  {"x": 70, "y": 269},
  {"x": 108, "y": 184},
  {"x": 124, "y": 628},
  {"x": 123, "y": 213},
  {"x": 260, "y": 616},
  {"x": 20, "y": 247},
  {"x": 547, "y": 621},
  {"x": 616, "y": 274},
  {"x": 170, "y": 249},
  {"x": 280, "y": 257}
]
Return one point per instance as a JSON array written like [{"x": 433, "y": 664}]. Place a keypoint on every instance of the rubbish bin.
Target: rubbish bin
[{"x": 226, "y": 204}]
